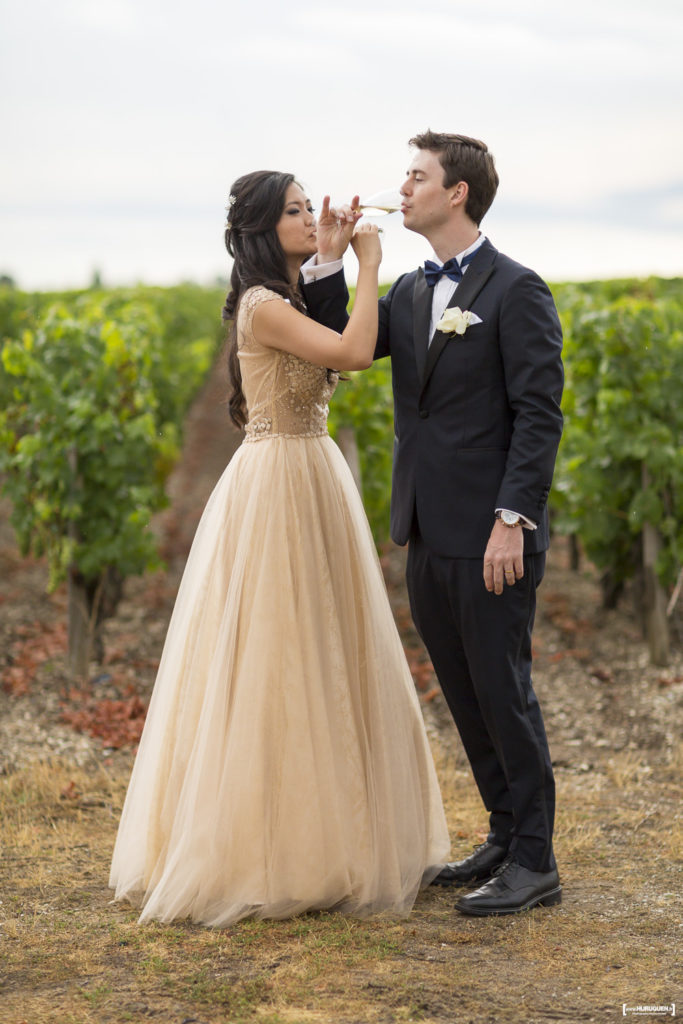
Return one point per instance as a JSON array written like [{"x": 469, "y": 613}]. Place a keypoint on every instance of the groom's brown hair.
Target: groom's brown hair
[{"x": 464, "y": 159}]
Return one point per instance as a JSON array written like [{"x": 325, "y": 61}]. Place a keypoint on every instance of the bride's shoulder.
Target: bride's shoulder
[
  {"x": 260, "y": 293},
  {"x": 251, "y": 299}
]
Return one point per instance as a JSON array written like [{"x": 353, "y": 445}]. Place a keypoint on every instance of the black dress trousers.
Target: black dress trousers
[{"x": 480, "y": 646}]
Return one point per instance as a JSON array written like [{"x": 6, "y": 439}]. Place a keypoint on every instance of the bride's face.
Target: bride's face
[{"x": 296, "y": 227}]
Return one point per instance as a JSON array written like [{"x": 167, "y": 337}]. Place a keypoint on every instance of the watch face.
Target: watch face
[{"x": 510, "y": 518}]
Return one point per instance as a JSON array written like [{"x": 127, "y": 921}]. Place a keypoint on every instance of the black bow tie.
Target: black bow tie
[{"x": 451, "y": 268}]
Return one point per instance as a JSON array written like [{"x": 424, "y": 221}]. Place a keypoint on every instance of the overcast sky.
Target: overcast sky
[{"x": 125, "y": 121}]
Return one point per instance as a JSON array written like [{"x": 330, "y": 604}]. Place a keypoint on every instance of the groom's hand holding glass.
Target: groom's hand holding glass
[{"x": 366, "y": 245}]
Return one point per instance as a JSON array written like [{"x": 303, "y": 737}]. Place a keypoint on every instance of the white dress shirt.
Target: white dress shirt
[{"x": 445, "y": 287}]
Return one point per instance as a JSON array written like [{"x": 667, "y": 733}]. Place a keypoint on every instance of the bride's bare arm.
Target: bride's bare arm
[{"x": 278, "y": 325}]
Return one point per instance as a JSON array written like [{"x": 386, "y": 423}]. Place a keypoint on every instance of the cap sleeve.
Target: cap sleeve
[{"x": 251, "y": 299}]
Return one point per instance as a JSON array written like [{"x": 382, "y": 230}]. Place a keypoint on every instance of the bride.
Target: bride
[{"x": 284, "y": 765}]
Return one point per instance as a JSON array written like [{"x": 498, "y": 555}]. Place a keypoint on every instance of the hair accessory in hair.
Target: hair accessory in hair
[{"x": 232, "y": 199}]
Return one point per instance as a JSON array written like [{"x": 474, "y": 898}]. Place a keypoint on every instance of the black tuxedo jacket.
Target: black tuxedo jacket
[{"x": 477, "y": 416}]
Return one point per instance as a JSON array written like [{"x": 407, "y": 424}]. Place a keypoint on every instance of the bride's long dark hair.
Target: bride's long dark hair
[{"x": 254, "y": 209}]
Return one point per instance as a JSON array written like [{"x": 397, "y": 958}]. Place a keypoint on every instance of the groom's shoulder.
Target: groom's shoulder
[
  {"x": 407, "y": 279},
  {"x": 512, "y": 270},
  {"x": 403, "y": 285},
  {"x": 516, "y": 282}
]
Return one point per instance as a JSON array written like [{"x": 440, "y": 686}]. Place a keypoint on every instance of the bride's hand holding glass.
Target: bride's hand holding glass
[{"x": 335, "y": 227}]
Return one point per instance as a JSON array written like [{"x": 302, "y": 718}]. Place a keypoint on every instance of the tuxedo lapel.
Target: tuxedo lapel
[
  {"x": 422, "y": 314},
  {"x": 478, "y": 273}
]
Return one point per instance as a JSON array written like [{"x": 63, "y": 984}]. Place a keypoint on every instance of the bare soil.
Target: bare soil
[{"x": 614, "y": 724}]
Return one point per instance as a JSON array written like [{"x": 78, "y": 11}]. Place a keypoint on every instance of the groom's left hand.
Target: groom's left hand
[
  {"x": 335, "y": 229},
  {"x": 504, "y": 557}
]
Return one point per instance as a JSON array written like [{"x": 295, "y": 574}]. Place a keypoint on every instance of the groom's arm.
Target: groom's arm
[
  {"x": 327, "y": 296},
  {"x": 530, "y": 340},
  {"x": 531, "y": 346}
]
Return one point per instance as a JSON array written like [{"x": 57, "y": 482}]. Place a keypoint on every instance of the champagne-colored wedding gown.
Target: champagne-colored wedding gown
[{"x": 284, "y": 764}]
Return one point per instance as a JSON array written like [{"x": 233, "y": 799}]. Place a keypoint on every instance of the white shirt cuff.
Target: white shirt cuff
[
  {"x": 528, "y": 524},
  {"x": 313, "y": 271}
]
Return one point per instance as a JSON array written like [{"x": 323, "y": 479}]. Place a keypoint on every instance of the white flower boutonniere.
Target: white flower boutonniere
[{"x": 456, "y": 320}]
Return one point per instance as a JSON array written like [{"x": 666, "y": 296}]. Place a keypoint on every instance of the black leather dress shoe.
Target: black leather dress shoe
[
  {"x": 478, "y": 865},
  {"x": 512, "y": 888}
]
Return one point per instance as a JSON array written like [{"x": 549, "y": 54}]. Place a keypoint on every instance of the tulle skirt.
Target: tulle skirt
[{"x": 284, "y": 764}]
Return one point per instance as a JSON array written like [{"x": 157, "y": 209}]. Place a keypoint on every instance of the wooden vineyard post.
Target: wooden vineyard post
[
  {"x": 346, "y": 439},
  {"x": 80, "y": 627},
  {"x": 80, "y": 634},
  {"x": 654, "y": 597}
]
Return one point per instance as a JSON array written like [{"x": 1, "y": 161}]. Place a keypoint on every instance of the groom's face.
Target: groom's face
[{"x": 426, "y": 205}]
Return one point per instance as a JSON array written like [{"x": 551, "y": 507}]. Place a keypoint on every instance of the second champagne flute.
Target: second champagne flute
[{"x": 381, "y": 203}]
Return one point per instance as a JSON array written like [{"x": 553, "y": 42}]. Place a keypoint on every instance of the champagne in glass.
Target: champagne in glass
[{"x": 381, "y": 203}]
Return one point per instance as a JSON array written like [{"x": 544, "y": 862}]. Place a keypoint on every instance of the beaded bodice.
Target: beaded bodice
[{"x": 286, "y": 396}]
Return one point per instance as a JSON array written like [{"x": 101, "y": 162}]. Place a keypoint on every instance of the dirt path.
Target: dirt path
[{"x": 614, "y": 725}]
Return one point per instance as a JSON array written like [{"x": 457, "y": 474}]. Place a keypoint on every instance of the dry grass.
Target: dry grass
[{"x": 71, "y": 957}]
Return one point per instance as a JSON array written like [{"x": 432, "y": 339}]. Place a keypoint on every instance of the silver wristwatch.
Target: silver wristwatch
[{"x": 510, "y": 519}]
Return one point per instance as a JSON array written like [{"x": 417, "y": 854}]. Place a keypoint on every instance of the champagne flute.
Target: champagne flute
[{"x": 381, "y": 203}]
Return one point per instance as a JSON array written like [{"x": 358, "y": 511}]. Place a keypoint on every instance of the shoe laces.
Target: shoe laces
[{"x": 502, "y": 868}]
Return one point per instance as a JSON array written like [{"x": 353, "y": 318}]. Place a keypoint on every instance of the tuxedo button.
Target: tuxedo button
[{"x": 424, "y": 413}]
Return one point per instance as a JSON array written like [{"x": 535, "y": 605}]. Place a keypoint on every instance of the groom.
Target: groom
[{"x": 477, "y": 423}]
